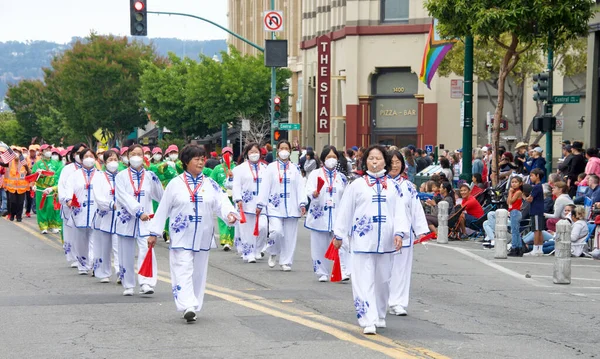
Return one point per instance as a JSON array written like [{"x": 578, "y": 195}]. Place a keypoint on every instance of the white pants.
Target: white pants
[
  {"x": 103, "y": 247},
  {"x": 319, "y": 243},
  {"x": 370, "y": 286},
  {"x": 400, "y": 280},
  {"x": 283, "y": 233},
  {"x": 68, "y": 235},
  {"x": 251, "y": 246},
  {"x": 188, "y": 277},
  {"x": 81, "y": 243},
  {"x": 115, "y": 251},
  {"x": 127, "y": 257}
]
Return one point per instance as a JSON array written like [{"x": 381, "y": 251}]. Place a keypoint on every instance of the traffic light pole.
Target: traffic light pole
[
  {"x": 273, "y": 94},
  {"x": 548, "y": 109},
  {"x": 467, "y": 165}
]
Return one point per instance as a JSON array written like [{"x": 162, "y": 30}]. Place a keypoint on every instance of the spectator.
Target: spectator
[
  {"x": 447, "y": 194},
  {"x": 537, "y": 161},
  {"x": 506, "y": 165},
  {"x": 421, "y": 160},
  {"x": 564, "y": 164},
  {"x": 411, "y": 168},
  {"x": 455, "y": 162},
  {"x": 473, "y": 210},
  {"x": 446, "y": 170},
  {"x": 560, "y": 190},
  {"x": 311, "y": 162},
  {"x": 579, "y": 232},
  {"x": 577, "y": 166},
  {"x": 536, "y": 210},
  {"x": 477, "y": 162},
  {"x": 547, "y": 235},
  {"x": 269, "y": 155},
  {"x": 593, "y": 164},
  {"x": 213, "y": 161},
  {"x": 477, "y": 181},
  {"x": 520, "y": 157}
]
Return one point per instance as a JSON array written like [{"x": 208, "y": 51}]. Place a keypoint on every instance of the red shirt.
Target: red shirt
[{"x": 473, "y": 207}]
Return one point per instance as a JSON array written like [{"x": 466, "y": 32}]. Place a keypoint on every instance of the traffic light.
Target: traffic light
[
  {"x": 138, "y": 13},
  {"x": 279, "y": 135},
  {"x": 277, "y": 108},
  {"x": 544, "y": 123},
  {"x": 540, "y": 86}
]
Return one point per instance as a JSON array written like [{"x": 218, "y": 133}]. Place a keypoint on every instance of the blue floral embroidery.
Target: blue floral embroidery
[
  {"x": 122, "y": 272},
  {"x": 76, "y": 210},
  {"x": 361, "y": 307},
  {"x": 247, "y": 196},
  {"x": 123, "y": 215},
  {"x": 176, "y": 290},
  {"x": 179, "y": 223},
  {"x": 215, "y": 186},
  {"x": 102, "y": 213},
  {"x": 271, "y": 242},
  {"x": 82, "y": 261},
  {"x": 412, "y": 189},
  {"x": 363, "y": 226},
  {"x": 67, "y": 247},
  {"x": 237, "y": 241},
  {"x": 247, "y": 249},
  {"x": 316, "y": 211},
  {"x": 154, "y": 177},
  {"x": 97, "y": 263},
  {"x": 316, "y": 265},
  {"x": 275, "y": 200}
]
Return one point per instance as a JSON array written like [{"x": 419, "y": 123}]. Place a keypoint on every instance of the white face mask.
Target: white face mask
[
  {"x": 125, "y": 160},
  {"x": 284, "y": 155},
  {"x": 89, "y": 162},
  {"x": 148, "y": 156},
  {"x": 112, "y": 166},
  {"x": 331, "y": 163},
  {"x": 47, "y": 154},
  {"x": 173, "y": 156},
  {"x": 54, "y": 157},
  {"x": 136, "y": 161},
  {"x": 376, "y": 174},
  {"x": 26, "y": 155},
  {"x": 254, "y": 157},
  {"x": 64, "y": 161},
  {"x": 77, "y": 159},
  {"x": 157, "y": 157}
]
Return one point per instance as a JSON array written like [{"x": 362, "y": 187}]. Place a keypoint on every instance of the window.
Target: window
[{"x": 394, "y": 10}]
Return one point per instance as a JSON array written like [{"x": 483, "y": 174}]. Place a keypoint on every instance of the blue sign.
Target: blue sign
[{"x": 429, "y": 148}]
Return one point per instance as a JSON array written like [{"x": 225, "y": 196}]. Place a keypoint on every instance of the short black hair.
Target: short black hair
[
  {"x": 107, "y": 154},
  {"x": 592, "y": 152},
  {"x": 190, "y": 152},
  {"x": 478, "y": 177},
  {"x": 397, "y": 154},
  {"x": 386, "y": 157},
  {"x": 444, "y": 162},
  {"x": 326, "y": 150},
  {"x": 76, "y": 149},
  {"x": 282, "y": 142},
  {"x": 249, "y": 147},
  {"x": 538, "y": 172},
  {"x": 133, "y": 147},
  {"x": 350, "y": 152},
  {"x": 85, "y": 151}
]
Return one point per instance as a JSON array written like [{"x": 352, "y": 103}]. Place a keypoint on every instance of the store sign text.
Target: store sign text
[
  {"x": 323, "y": 84},
  {"x": 393, "y": 112}
]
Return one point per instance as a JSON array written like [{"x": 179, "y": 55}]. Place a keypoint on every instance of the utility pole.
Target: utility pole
[
  {"x": 548, "y": 109},
  {"x": 467, "y": 159},
  {"x": 273, "y": 94}
]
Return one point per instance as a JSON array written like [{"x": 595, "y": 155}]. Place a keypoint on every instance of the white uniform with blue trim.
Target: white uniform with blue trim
[
  {"x": 402, "y": 260},
  {"x": 129, "y": 228},
  {"x": 283, "y": 198},
  {"x": 65, "y": 212},
  {"x": 191, "y": 227},
  {"x": 248, "y": 185},
  {"x": 81, "y": 218},
  {"x": 105, "y": 222},
  {"x": 369, "y": 216},
  {"x": 321, "y": 216}
]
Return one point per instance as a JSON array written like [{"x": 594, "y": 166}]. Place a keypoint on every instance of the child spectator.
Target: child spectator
[{"x": 536, "y": 210}]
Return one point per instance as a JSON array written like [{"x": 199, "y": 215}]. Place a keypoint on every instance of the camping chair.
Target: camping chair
[
  {"x": 477, "y": 226},
  {"x": 591, "y": 230},
  {"x": 455, "y": 219}
]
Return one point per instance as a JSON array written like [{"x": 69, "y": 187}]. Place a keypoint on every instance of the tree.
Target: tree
[
  {"x": 260, "y": 130},
  {"x": 515, "y": 26},
  {"x": 27, "y": 100},
  {"x": 11, "y": 131}
]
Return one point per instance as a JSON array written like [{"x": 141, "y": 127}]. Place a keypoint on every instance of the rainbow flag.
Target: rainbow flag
[{"x": 435, "y": 50}]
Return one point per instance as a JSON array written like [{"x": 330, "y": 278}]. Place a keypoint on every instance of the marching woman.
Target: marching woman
[
  {"x": 402, "y": 260},
  {"x": 68, "y": 231},
  {"x": 79, "y": 189},
  {"x": 105, "y": 239},
  {"x": 135, "y": 189},
  {"x": 190, "y": 201},
  {"x": 321, "y": 213},
  {"x": 373, "y": 220},
  {"x": 47, "y": 167},
  {"x": 223, "y": 176},
  {"x": 285, "y": 199},
  {"x": 248, "y": 185}
]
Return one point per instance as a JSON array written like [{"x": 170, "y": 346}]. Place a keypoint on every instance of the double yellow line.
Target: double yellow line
[{"x": 341, "y": 330}]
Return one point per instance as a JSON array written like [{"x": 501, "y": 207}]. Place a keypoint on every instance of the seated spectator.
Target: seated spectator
[
  {"x": 537, "y": 161},
  {"x": 506, "y": 165},
  {"x": 593, "y": 164},
  {"x": 547, "y": 235},
  {"x": 579, "y": 233},
  {"x": 472, "y": 209},
  {"x": 548, "y": 200},
  {"x": 477, "y": 181},
  {"x": 447, "y": 194},
  {"x": 561, "y": 191},
  {"x": 582, "y": 191}
]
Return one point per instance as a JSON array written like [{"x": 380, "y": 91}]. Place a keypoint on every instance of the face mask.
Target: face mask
[
  {"x": 136, "y": 161},
  {"x": 147, "y": 156},
  {"x": 157, "y": 157},
  {"x": 125, "y": 160},
  {"x": 64, "y": 161},
  {"x": 331, "y": 163},
  {"x": 54, "y": 157},
  {"x": 47, "y": 154},
  {"x": 77, "y": 159},
  {"x": 284, "y": 155},
  {"x": 173, "y": 156},
  {"x": 26, "y": 155},
  {"x": 112, "y": 166},
  {"x": 89, "y": 162},
  {"x": 376, "y": 174},
  {"x": 254, "y": 157}
]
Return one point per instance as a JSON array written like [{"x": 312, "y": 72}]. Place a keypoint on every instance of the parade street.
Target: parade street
[{"x": 464, "y": 304}]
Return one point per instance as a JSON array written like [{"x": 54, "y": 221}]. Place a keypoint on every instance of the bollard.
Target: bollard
[
  {"x": 501, "y": 234},
  {"x": 442, "y": 234},
  {"x": 562, "y": 253}
]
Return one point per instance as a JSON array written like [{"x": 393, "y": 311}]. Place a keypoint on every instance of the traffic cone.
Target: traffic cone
[{"x": 146, "y": 267}]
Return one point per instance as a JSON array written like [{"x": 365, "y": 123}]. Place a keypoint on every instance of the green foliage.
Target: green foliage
[
  {"x": 27, "y": 100},
  {"x": 11, "y": 132}
]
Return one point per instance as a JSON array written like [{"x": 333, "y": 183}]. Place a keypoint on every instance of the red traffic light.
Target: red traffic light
[
  {"x": 277, "y": 100},
  {"x": 277, "y": 135},
  {"x": 139, "y": 6}
]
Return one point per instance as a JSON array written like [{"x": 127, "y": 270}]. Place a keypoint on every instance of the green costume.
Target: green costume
[
  {"x": 47, "y": 217},
  {"x": 226, "y": 233}
]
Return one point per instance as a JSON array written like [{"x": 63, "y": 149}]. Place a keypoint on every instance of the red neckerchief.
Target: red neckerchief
[
  {"x": 112, "y": 189},
  {"x": 330, "y": 188},
  {"x": 257, "y": 168},
  {"x": 284, "y": 170},
  {"x": 137, "y": 191},
  {"x": 87, "y": 183},
  {"x": 381, "y": 180},
  {"x": 187, "y": 185}
]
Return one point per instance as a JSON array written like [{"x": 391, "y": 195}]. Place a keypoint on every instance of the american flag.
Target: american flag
[{"x": 7, "y": 155}]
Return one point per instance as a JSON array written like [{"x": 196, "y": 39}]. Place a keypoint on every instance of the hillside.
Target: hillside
[{"x": 24, "y": 60}]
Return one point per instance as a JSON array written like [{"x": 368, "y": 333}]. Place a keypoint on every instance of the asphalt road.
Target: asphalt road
[{"x": 464, "y": 304}]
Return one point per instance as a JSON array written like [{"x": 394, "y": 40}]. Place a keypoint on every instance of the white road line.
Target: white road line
[
  {"x": 549, "y": 276},
  {"x": 551, "y": 264}
]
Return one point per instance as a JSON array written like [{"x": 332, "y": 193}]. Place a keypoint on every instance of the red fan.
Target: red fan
[
  {"x": 425, "y": 238},
  {"x": 146, "y": 162},
  {"x": 56, "y": 204},
  {"x": 227, "y": 159},
  {"x": 32, "y": 194},
  {"x": 151, "y": 216},
  {"x": 43, "y": 200},
  {"x": 146, "y": 267},
  {"x": 48, "y": 173},
  {"x": 334, "y": 255},
  {"x": 32, "y": 177},
  {"x": 74, "y": 201},
  {"x": 242, "y": 214},
  {"x": 255, "y": 233},
  {"x": 320, "y": 183}
]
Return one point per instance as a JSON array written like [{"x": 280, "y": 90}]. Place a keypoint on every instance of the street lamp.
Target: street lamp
[{"x": 580, "y": 122}]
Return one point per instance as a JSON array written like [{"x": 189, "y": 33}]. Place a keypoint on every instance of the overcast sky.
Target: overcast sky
[{"x": 59, "y": 20}]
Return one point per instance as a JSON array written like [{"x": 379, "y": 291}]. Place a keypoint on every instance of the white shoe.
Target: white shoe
[
  {"x": 345, "y": 278},
  {"x": 227, "y": 248},
  {"x": 44, "y": 231},
  {"x": 128, "y": 292},
  {"x": 83, "y": 272},
  {"x": 398, "y": 310},
  {"x": 74, "y": 265},
  {"x": 533, "y": 254},
  {"x": 323, "y": 278},
  {"x": 371, "y": 329},
  {"x": 272, "y": 260},
  {"x": 380, "y": 323},
  {"x": 105, "y": 280},
  {"x": 251, "y": 260},
  {"x": 286, "y": 268},
  {"x": 55, "y": 230},
  {"x": 146, "y": 289},
  {"x": 189, "y": 315}
]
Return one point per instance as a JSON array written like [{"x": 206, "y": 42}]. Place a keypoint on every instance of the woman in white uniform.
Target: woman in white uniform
[
  {"x": 105, "y": 221},
  {"x": 65, "y": 212},
  {"x": 190, "y": 200},
  {"x": 402, "y": 260},
  {"x": 321, "y": 212},
  {"x": 284, "y": 199},
  {"x": 248, "y": 185},
  {"x": 79, "y": 187},
  {"x": 135, "y": 188},
  {"x": 372, "y": 219}
]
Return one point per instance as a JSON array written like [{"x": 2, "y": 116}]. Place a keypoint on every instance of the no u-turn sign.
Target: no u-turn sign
[{"x": 273, "y": 20}]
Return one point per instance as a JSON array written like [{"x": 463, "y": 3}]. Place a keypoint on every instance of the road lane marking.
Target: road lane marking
[
  {"x": 40, "y": 236},
  {"x": 573, "y": 278},
  {"x": 551, "y": 264}
]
